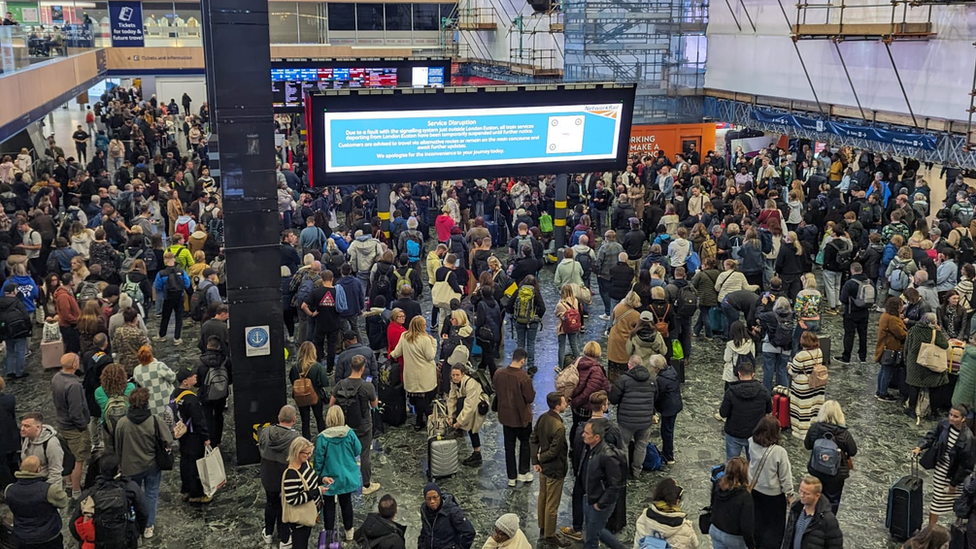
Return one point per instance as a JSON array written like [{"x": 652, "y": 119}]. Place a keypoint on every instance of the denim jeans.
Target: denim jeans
[
  {"x": 149, "y": 481},
  {"x": 775, "y": 363},
  {"x": 812, "y": 326},
  {"x": 526, "y": 339},
  {"x": 731, "y": 315},
  {"x": 703, "y": 321},
  {"x": 885, "y": 375},
  {"x": 595, "y": 527},
  {"x": 574, "y": 346},
  {"x": 734, "y": 446},
  {"x": 16, "y": 353},
  {"x": 721, "y": 540},
  {"x": 604, "y": 284}
]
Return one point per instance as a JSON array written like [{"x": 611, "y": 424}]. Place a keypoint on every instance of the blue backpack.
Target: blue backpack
[
  {"x": 693, "y": 263},
  {"x": 342, "y": 303},
  {"x": 413, "y": 250},
  {"x": 825, "y": 457},
  {"x": 652, "y": 460},
  {"x": 653, "y": 542},
  {"x": 576, "y": 237}
]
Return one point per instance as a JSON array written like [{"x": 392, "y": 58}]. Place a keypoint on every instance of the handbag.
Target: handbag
[
  {"x": 164, "y": 452},
  {"x": 442, "y": 294},
  {"x": 705, "y": 520},
  {"x": 889, "y": 357},
  {"x": 304, "y": 514},
  {"x": 933, "y": 357}
]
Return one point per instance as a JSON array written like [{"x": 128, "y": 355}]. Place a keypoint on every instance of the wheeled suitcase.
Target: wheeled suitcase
[
  {"x": 825, "y": 348},
  {"x": 442, "y": 457},
  {"x": 493, "y": 232},
  {"x": 781, "y": 410},
  {"x": 905, "y": 505},
  {"x": 51, "y": 353},
  {"x": 394, "y": 409}
]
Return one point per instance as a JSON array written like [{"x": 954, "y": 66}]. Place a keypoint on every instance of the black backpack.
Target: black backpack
[
  {"x": 586, "y": 262},
  {"x": 782, "y": 337},
  {"x": 198, "y": 303},
  {"x": 965, "y": 246},
  {"x": 67, "y": 460},
  {"x": 347, "y": 397},
  {"x": 113, "y": 514},
  {"x": 14, "y": 324},
  {"x": 686, "y": 303},
  {"x": 174, "y": 282},
  {"x": 844, "y": 257}
]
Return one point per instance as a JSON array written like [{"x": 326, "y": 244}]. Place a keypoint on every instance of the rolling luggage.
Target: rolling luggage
[
  {"x": 904, "y": 516},
  {"x": 442, "y": 458},
  {"x": 493, "y": 232},
  {"x": 825, "y": 348},
  {"x": 781, "y": 410}
]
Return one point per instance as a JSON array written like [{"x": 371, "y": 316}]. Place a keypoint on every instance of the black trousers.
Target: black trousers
[
  {"x": 170, "y": 306},
  {"x": 300, "y": 536},
  {"x": 488, "y": 351},
  {"x": 770, "y": 520},
  {"x": 578, "y": 505},
  {"x": 345, "y": 506},
  {"x": 521, "y": 436},
  {"x": 306, "y": 420},
  {"x": 272, "y": 516},
  {"x": 421, "y": 404},
  {"x": 213, "y": 411},
  {"x": 326, "y": 343},
  {"x": 850, "y": 327},
  {"x": 71, "y": 338},
  {"x": 189, "y": 476}
]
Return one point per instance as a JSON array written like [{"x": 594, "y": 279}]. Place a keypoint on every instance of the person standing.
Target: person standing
[
  {"x": 855, "y": 314},
  {"x": 514, "y": 394},
  {"x": 633, "y": 394},
  {"x": 308, "y": 367},
  {"x": 604, "y": 477},
  {"x": 358, "y": 396},
  {"x": 340, "y": 473},
  {"x": 805, "y": 400},
  {"x": 745, "y": 403},
  {"x": 130, "y": 514},
  {"x": 811, "y": 521},
  {"x": 950, "y": 453},
  {"x": 549, "y": 453},
  {"x": 9, "y": 437},
  {"x": 72, "y": 414},
  {"x": 35, "y": 505},
  {"x": 831, "y": 423},
  {"x": 667, "y": 402},
  {"x": 380, "y": 530},
  {"x": 136, "y": 441},
  {"x": 67, "y": 312},
  {"x": 301, "y": 491},
  {"x": 17, "y": 327},
  {"x": 772, "y": 478},
  {"x": 80, "y": 137},
  {"x": 38, "y": 439},
  {"x": 194, "y": 442},
  {"x": 419, "y": 352},
  {"x": 733, "y": 513},
  {"x": 213, "y": 392},
  {"x": 463, "y": 403},
  {"x": 171, "y": 283},
  {"x": 274, "y": 442}
]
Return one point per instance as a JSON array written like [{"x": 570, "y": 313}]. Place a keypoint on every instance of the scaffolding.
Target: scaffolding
[{"x": 657, "y": 44}]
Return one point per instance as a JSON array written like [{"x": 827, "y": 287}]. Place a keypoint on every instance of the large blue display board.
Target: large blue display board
[{"x": 368, "y": 141}]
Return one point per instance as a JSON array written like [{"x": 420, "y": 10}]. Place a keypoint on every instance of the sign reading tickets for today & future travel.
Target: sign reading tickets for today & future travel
[{"x": 125, "y": 21}]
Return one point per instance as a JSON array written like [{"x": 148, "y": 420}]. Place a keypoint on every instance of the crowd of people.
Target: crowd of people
[{"x": 683, "y": 250}]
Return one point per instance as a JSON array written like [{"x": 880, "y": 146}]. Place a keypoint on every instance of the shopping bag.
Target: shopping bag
[
  {"x": 677, "y": 351},
  {"x": 211, "y": 469},
  {"x": 933, "y": 357},
  {"x": 52, "y": 332}
]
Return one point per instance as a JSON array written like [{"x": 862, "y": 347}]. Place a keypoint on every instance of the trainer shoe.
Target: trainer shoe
[
  {"x": 284, "y": 544},
  {"x": 268, "y": 538},
  {"x": 372, "y": 488},
  {"x": 512, "y": 482},
  {"x": 177, "y": 342},
  {"x": 842, "y": 360},
  {"x": 526, "y": 478},
  {"x": 351, "y": 533},
  {"x": 571, "y": 534},
  {"x": 149, "y": 532},
  {"x": 604, "y": 317},
  {"x": 159, "y": 338}
]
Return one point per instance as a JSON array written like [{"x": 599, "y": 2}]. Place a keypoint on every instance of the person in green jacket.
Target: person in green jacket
[
  {"x": 336, "y": 450},
  {"x": 309, "y": 367},
  {"x": 965, "y": 391},
  {"x": 917, "y": 376},
  {"x": 114, "y": 384}
]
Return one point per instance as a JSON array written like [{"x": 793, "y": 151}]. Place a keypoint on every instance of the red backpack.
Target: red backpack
[
  {"x": 572, "y": 321},
  {"x": 183, "y": 229}
]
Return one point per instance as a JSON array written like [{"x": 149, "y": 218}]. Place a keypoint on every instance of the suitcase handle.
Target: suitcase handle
[{"x": 914, "y": 465}]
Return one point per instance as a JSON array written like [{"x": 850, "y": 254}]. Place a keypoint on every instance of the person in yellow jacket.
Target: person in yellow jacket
[{"x": 179, "y": 250}]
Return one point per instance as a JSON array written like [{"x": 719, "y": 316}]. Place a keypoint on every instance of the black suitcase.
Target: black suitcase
[
  {"x": 394, "y": 409},
  {"x": 905, "y": 505},
  {"x": 825, "y": 347}
]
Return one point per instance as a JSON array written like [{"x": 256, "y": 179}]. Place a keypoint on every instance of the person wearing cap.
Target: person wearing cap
[
  {"x": 196, "y": 440},
  {"x": 507, "y": 534},
  {"x": 442, "y": 522},
  {"x": 354, "y": 347}
]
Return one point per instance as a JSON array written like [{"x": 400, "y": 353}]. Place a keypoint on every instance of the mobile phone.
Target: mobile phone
[{"x": 369, "y": 379}]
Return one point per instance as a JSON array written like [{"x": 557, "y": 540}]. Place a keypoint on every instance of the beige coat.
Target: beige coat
[
  {"x": 731, "y": 281},
  {"x": 468, "y": 418},
  {"x": 419, "y": 363}
]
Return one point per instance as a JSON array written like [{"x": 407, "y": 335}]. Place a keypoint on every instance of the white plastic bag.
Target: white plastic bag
[
  {"x": 211, "y": 469},
  {"x": 52, "y": 332}
]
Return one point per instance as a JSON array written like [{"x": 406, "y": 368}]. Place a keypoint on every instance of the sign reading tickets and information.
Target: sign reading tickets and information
[
  {"x": 257, "y": 340},
  {"x": 125, "y": 20}
]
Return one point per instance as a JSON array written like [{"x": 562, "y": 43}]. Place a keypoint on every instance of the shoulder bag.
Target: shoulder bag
[
  {"x": 888, "y": 356},
  {"x": 302, "y": 515},
  {"x": 933, "y": 357},
  {"x": 762, "y": 463}
]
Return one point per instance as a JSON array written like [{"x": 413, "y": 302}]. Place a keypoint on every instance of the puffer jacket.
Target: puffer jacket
[
  {"x": 363, "y": 252},
  {"x": 823, "y": 532},
  {"x": 592, "y": 378},
  {"x": 744, "y": 404},
  {"x": 646, "y": 342},
  {"x": 445, "y": 528},
  {"x": 633, "y": 395},
  {"x": 965, "y": 391},
  {"x": 668, "y": 401},
  {"x": 673, "y": 526}
]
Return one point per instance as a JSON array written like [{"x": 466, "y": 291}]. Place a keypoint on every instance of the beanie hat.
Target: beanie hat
[{"x": 508, "y": 523}]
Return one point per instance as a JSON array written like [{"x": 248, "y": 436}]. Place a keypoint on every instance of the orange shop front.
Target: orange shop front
[{"x": 671, "y": 138}]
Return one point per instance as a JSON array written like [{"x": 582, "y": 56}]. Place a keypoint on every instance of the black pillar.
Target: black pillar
[
  {"x": 562, "y": 186},
  {"x": 383, "y": 206},
  {"x": 238, "y": 64}
]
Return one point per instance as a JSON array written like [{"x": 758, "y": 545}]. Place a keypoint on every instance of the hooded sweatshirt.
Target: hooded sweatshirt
[
  {"x": 732, "y": 354},
  {"x": 135, "y": 440},
  {"x": 27, "y": 291},
  {"x": 336, "y": 450},
  {"x": 273, "y": 444},
  {"x": 672, "y": 525},
  {"x": 363, "y": 252},
  {"x": 35, "y": 522},
  {"x": 379, "y": 533},
  {"x": 51, "y": 457}
]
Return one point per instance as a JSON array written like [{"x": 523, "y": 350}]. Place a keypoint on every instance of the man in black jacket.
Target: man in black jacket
[
  {"x": 811, "y": 524},
  {"x": 194, "y": 442},
  {"x": 745, "y": 403},
  {"x": 855, "y": 314},
  {"x": 108, "y": 482},
  {"x": 273, "y": 444},
  {"x": 35, "y": 506},
  {"x": 379, "y": 530},
  {"x": 549, "y": 451},
  {"x": 633, "y": 394},
  {"x": 603, "y": 469}
]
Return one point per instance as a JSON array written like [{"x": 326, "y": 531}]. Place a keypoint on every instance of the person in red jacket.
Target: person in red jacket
[
  {"x": 443, "y": 225},
  {"x": 66, "y": 310}
]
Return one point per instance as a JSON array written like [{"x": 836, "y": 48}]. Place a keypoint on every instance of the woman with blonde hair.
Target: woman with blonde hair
[
  {"x": 626, "y": 315},
  {"x": 805, "y": 400},
  {"x": 419, "y": 352},
  {"x": 81, "y": 239},
  {"x": 301, "y": 492},
  {"x": 155, "y": 376},
  {"x": 570, "y": 323},
  {"x": 807, "y": 308},
  {"x": 195, "y": 272},
  {"x": 336, "y": 450},
  {"x": 830, "y": 421},
  {"x": 309, "y": 367}
]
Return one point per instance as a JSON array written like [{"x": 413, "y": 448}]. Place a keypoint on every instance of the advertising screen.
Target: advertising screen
[{"x": 422, "y": 135}]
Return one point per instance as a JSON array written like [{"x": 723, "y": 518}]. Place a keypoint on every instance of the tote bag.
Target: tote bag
[
  {"x": 302, "y": 515},
  {"x": 932, "y": 356},
  {"x": 442, "y": 294}
]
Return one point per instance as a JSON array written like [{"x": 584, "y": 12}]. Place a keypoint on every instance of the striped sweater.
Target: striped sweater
[{"x": 295, "y": 490}]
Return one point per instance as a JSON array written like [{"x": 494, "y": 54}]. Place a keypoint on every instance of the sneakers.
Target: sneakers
[
  {"x": 556, "y": 541},
  {"x": 526, "y": 478},
  {"x": 842, "y": 360},
  {"x": 571, "y": 534},
  {"x": 177, "y": 342},
  {"x": 351, "y": 533},
  {"x": 511, "y": 483},
  {"x": 372, "y": 488},
  {"x": 719, "y": 417},
  {"x": 604, "y": 317},
  {"x": 886, "y": 398},
  {"x": 150, "y": 531},
  {"x": 159, "y": 338},
  {"x": 268, "y": 538},
  {"x": 284, "y": 544},
  {"x": 474, "y": 460},
  {"x": 202, "y": 499}
]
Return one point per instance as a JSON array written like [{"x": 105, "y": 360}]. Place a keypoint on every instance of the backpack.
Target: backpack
[
  {"x": 865, "y": 294},
  {"x": 133, "y": 290},
  {"x": 545, "y": 223},
  {"x": 382, "y": 283},
  {"x": 572, "y": 321},
  {"x": 413, "y": 250},
  {"x": 825, "y": 457},
  {"x": 743, "y": 359},
  {"x": 576, "y": 237},
  {"x": 965, "y": 246},
  {"x": 687, "y": 301},
  {"x": 844, "y": 257},
  {"x": 660, "y": 324},
  {"x": 215, "y": 384},
  {"x": 115, "y": 409},
  {"x": 87, "y": 291},
  {"x": 198, "y": 303},
  {"x": 174, "y": 282},
  {"x": 481, "y": 376},
  {"x": 692, "y": 264},
  {"x": 586, "y": 262},
  {"x": 183, "y": 229},
  {"x": 305, "y": 288},
  {"x": 525, "y": 305},
  {"x": 14, "y": 324},
  {"x": 402, "y": 280},
  {"x": 112, "y": 514},
  {"x": 522, "y": 241},
  {"x": 68, "y": 459},
  {"x": 347, "y": 397},
  {"x": 782, "y": 336},
  {"x": 652, "y": 462},
  {"x": 90, "y": 118},
  {"x": 899, "y": 279},
  {"x": 342, "y": 303},
  {"x": 965, "y": 213},
  {"x": 766, "y": 239},
  {"x": 129, "y": 260},
  {"x": 567, "y": 379},
  {"x": 304, "y": 392}
]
